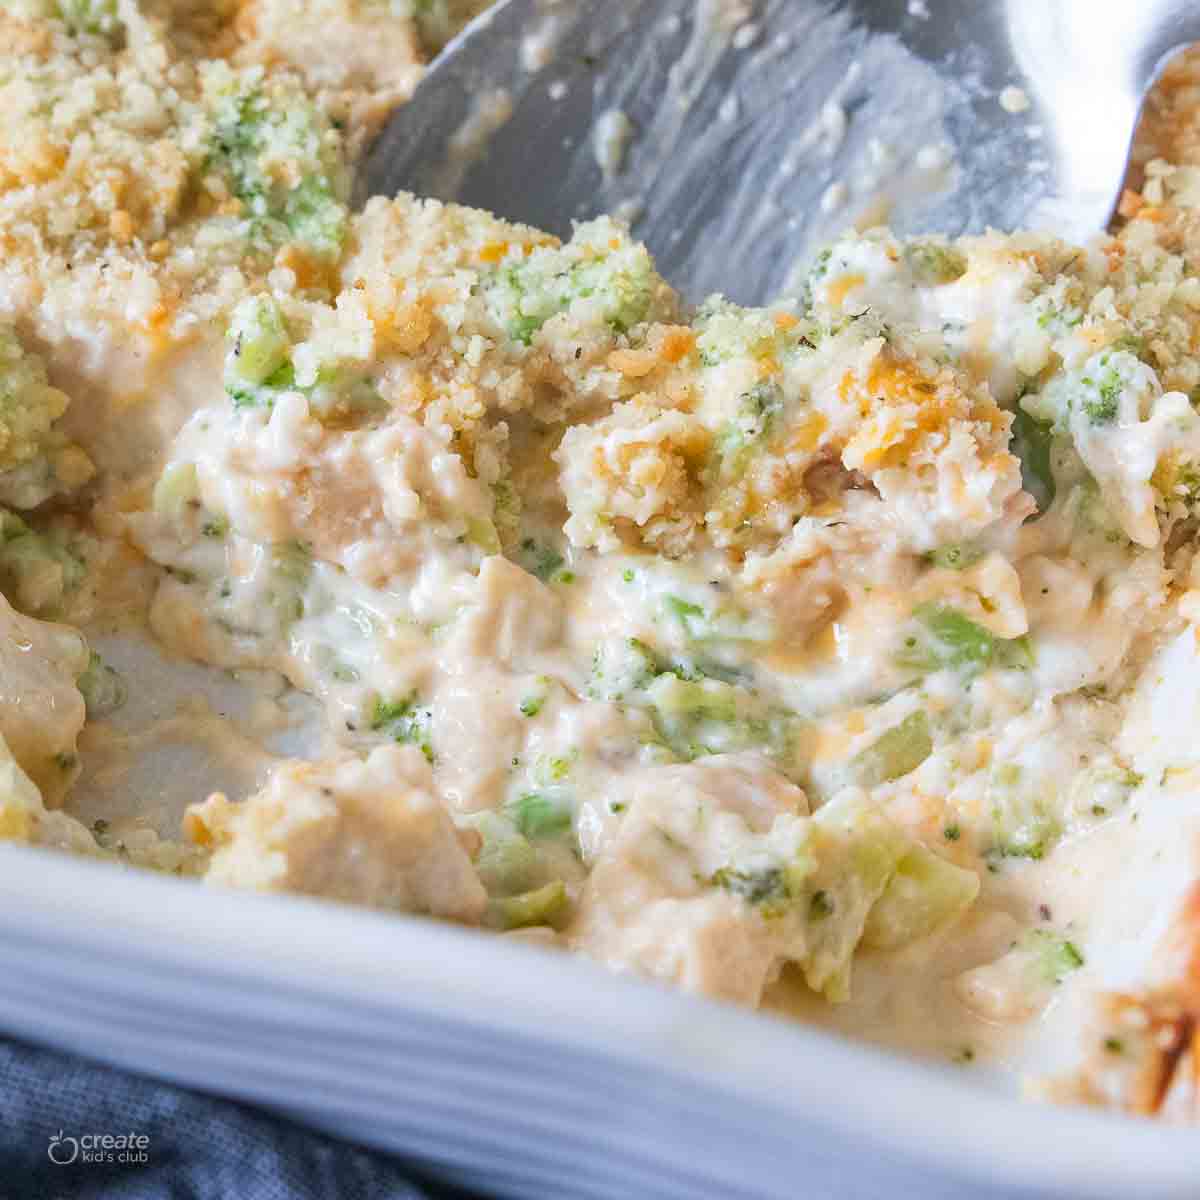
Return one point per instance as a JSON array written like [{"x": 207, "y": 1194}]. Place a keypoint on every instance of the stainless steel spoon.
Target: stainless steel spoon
[{"x": 757, "y": 128}]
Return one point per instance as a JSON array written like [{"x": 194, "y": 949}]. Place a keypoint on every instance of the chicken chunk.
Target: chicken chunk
[
  {"x": 717, "y": 877},
  {"x": 366, "y": 832}
]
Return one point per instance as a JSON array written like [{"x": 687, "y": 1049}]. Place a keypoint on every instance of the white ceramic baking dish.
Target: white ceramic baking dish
[{"x": 519, "y": 1070}]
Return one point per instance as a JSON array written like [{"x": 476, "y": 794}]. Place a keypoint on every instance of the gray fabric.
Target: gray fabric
[{"x": 198, "y": 1148}]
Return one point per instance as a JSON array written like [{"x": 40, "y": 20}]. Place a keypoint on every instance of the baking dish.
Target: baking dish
[{"x": 517, "y": 1070}]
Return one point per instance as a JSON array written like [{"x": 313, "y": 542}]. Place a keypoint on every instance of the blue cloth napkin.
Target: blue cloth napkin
[{"x": 195, "y": 1147}]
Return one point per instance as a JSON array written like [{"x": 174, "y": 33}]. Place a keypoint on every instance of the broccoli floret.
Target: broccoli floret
[
  {"x": 934, "y": 262},
  {"x": 1023, "y": 824},
  {"x": 38, "y": 571},
  {"x": 769, "y": 887},
  {"x": 539, "y": 814},
  {"x": 259, "y": 355},
  {"x": 542, "y": 906},
  {"x": 757, "y": 410},
  {"x": 1103, "y": 789},
  {"x": 102, "y": 687},
  {"x": 36, "y": 461},
  {"x": 404, "y": 721},
  {"x": 944, "y": 637},
  {"x": 260, "y": 366},
  {"x": 1056, "y": 319},
  {"x": 692, "y": 713},
  {"x": 255, "y": 133},
  {"x": 726, "y": 331},
  {"x": 90, "y": 16},
  {"x": 599, "y": 268},
  {"x": 1053, "y": 956},
  {"x": 1032, "y": 441},
  {"x": 541, "y": 559},
  {"x": 507, "y": 863},
  {"x": 902, "y": 749},
  {"x": 1101, "y": 398},
  {"x": 690, "y": 615},
  {"x": 622, "y": 667},
  {"x": 956, "y": 557},
  {"x": 926, "y": 892},
  {"x": 697, "y": 717},
  {"x": 1091, "y": 515},
  {"x": 534, "y": 701},
  {"x": 291, "y": 569}
]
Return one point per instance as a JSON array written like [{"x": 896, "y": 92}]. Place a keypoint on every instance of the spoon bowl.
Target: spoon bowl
[{"x": 737, "y": 137}]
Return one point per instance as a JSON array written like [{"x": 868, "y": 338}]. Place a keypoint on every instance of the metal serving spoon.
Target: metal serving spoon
[{"x": 739, "y": 134}]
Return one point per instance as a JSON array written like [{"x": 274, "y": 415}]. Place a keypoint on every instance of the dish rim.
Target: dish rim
[{"x": 913, "y": 1108}]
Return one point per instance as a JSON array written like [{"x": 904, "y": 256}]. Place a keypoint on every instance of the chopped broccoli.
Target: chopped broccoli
[
  {"x": 726, "y": 331},
  {"x": 820, "y": 265},
  {"x": 259, "y": 353},
  {"x": 1032, "y": 441},
  {"x": 1023, "y": 824},
  {"x": 1101, "y": 398},
  {"x": 259, "y": 367},
  {"x": 691, "y": 616},
  {"x": 750, "y": 425},
  {"x": 36, "y": 461},
  {"x": 507, "y": 863},
  {"x": 255, "y": 132},
  {"x": 291, "y": 568},
  {"x": 769, "y": 887},
  {"x": 902, "y": 749},
  {"x": 934, "y": 262},
  {"x": 102, "y": 687},
  {"x": 1015, "y": 654},
  {"x": 693, "y": 714},
  {"x": 855, "y": 851},
  {"x": 1103, "y": 788},
  {"x": 542, "y": 906},
  {"x": 924, "y": 893},
  {"x": 944, "y": 637},
  {"x": 1056, "y": 319},
  {"x": 622, "y": 667},
  {"x": 541, "y": 560},
  {"x": 38, "y": 571},
  {"x": 1053, "y": 956},
  {"x": 599, "y": 270},
  {"x": 176, "y": 490},
  {"x": 554, "y": 768},
  {"x": 90, "y": 16},
  {"x": 724, "y": 623},
  {"x": 404, "y": 721},
  {"x": 539, "y": 814},
  {"x": 957, "y": 556},
  {"x": 697, "y": 717}
]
